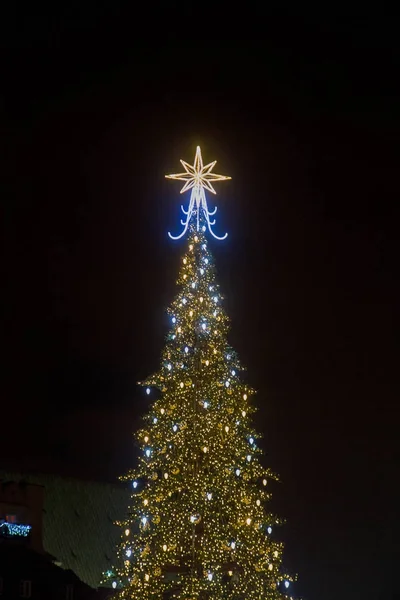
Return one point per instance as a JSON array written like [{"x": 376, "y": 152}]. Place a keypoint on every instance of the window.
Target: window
[
  {"x": 25, "y": 588},
  {"x": 69, "y": 592},
  {"x": 11, "y": 518}
]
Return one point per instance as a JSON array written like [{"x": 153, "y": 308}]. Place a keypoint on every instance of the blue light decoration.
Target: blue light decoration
[
  {"x": 198, "y": 178},
  {"x": 14, "y": 530}
]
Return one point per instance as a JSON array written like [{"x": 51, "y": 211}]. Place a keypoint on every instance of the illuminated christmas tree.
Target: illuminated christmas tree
[{"x": 198, "y": 525}]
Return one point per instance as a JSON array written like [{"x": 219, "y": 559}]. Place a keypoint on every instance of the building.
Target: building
[{"x": 61, "y": 528}]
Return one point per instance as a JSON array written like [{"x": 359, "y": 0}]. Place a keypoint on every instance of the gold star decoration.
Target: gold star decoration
[{"x": 198, "y": 175}]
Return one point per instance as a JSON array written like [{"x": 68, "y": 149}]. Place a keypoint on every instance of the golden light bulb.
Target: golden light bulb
[
  {"x": 191, "y": 313},
  {"x": 244, "y": 396},
  {"x": 270, "y": 566},
  {"x": 162, "y": 411},
  {"x": 165, "y": 475},
  {"x": 147, "y": 577},
  {"x": 184, "y": 261},
  {"x": 207, "y": 363},
  {"x": 258, "y": 502},
  {"x": 226, "y": 428},
  {"x": 264, "y": 482},
  {"x": 205, "y": 449},
  {"x": 145, "y": 502},
  {"x": 196, "y": 239},
  {"x": 127, "y": 532},
  {"x": 248, "y": 521},
  {"x": 243, "y": 413},
  {"x": 201, "y": 298},
  {"x": 146, "y": 438},
  {"x": 164, "y": 547}
]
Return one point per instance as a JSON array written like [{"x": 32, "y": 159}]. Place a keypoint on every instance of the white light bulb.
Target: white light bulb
[
  {"x": 205, "y": 404},
  {"x": 173, "y": 336},
  {"x": 269, "y": 530},
  {"x": 191, "y": 313},
  {"x": 144, "y": 520},
  {"x": 233, "y": 545},
  {"x": 128, "y": 552},
  {"x": 226, "y": 428},
  {"x": 184, "y": 261},
  {"x": 165, "y": 475},
  {"x": 164, "y": 547},
  {"x": 210, "y": 576},
  {"x": 215, "y": 313},
  {"x": 270, "y": 566},
  {"x": 228, "y": 357},
  {"x": 201, "y": 271},
  {"x": 175, "y": 428},
  {"x": 193, "y": 284},
  {"x": 174, "y": 319},
  {"x": 258, "y": 502},
  {"x": 215, "y": 299},
  {"x": 155, "y": 420},
  {"x": 244, "y": 396},
  {"x": 201, "y": 298},
  {"x": 114, "y": 584},
  {"x": 203, "y": 246},
  {"x": 287, "y": 584},
  {"x": 192, "y": 519},
  {"x": 248, "y": 521},
  {"x": 211, "y": 288},
  {"x": 148, "y": 452},
  {"x": 209, "y": 496},
  {"x": 251, "y": 440},
  {"x": 127, "y": 532},
  {"x": 243, "y": 413},
  {"x": 162, "y": 411},
  {"x": 184, "y": 300},
  {"x": 181, "y": 384},
  {"x": 207, "y": 363},
  {"x": 248, "y": 457},
  {"x": 191, "y": 247},
  {"x": 205, "y": 449},
  {"x": 206, "y": 261},
  {"x": 237, "y": 472},
  {"x": 186, "y": 349},
  {"x": 227, "y": 383},
  {"x": 169, "y": 367},
  {"x": 147, "y": 391},
  {"x": 264, "y": 482},
  {"x": 135, "y": 484},
  {"x": 203, "y": 326}
]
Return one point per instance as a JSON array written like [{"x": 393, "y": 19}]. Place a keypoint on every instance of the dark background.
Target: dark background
[{"x": 305, "y": 122}]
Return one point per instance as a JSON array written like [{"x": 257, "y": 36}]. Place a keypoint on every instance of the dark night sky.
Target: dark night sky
[{"x": 305, "y": 121}]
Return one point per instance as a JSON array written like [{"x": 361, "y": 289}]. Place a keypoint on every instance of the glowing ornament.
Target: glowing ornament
[
  {"x": 147, "y": 391},
  {"x": 195, "y": 519},
  {"x": 198, "y": 178},
  {"x": 128, "y": 552},
  {"x": 127, "y": 532}
]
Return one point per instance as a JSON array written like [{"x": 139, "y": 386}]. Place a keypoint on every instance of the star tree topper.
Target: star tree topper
[{"x": 198, "y": 178}]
